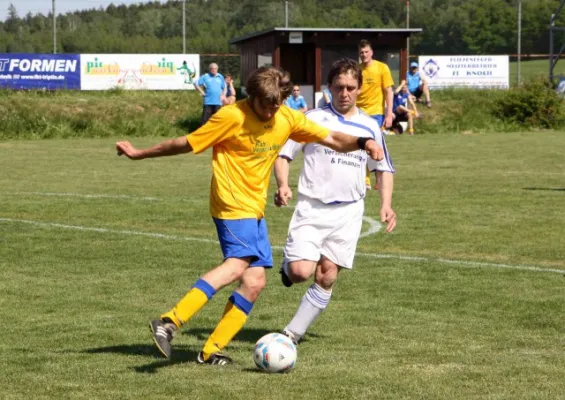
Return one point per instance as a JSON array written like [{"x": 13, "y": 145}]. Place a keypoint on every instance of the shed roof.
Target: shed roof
[{"x": 362, "y": 30}]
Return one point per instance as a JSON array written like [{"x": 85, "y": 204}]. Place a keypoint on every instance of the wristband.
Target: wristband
[{"x": 362, "y": 142}]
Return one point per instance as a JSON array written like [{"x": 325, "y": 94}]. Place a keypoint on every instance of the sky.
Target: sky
[{"x": 61, "y": 6}]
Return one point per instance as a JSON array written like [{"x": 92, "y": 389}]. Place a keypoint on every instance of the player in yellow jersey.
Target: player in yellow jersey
[
  {"x": 376, "y": 90},
  {"x": 246, "y": 138}
]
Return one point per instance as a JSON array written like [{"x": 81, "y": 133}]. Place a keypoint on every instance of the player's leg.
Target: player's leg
[
  {"x": 426, "y": 92},
  {"x": 314, "y": 301},
  {"x": 303, "y": 242},
  {"x": 201, "y": 292},
  {"x": 234, "y": 316},
  {"x": 241, "y": 301},
  {"x": 337, "y": 249},
  {"x": 410, "y": 117},
  {"x": 207, "y": 112},
  {"x": 233, "y": 236}
]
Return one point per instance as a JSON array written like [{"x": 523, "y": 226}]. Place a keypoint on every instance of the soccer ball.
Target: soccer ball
[{"x": 274, "y": 352}]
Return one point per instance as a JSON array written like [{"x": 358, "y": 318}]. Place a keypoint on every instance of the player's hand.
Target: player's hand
[
  {"x": 388, "y": 120},
  {"x": 127, "y": 149},
  {"x": 282, "y": 196},
  {"x": 374, "y": 150},
  {"x": 388, "y": 216}
]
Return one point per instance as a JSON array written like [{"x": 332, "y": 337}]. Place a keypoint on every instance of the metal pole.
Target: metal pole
[
  {"x": 54, "y": 30},
  {"x": 551, "y": 26},
  {"x": 183, "y": 26},
  {"x": 408, "y": 38},
  {"x": 286, "y": 14},
  {"x": 519, "y": 38}
]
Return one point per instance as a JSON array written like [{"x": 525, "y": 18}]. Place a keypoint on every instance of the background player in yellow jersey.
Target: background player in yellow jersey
[
  {"x": 246, "y": 138},
  {"x": 376, "y": 91}
]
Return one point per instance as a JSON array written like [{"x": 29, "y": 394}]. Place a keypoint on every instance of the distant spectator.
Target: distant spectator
[
  {"x": 402, "y": 112},
  {"x": 212, "y": 87},
  {"x": 417, "y": 86},
  {"x": 327, "y": 96},
  {"x": 296, "y": 100},
  {"x": 230, "y": 90}
]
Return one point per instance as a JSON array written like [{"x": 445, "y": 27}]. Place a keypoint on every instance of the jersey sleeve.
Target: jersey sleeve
[
  {"x": 221, "y": 126},
  {"x": 290, "y": 149},
  {"x": 385, "y": 165},
  {"x": 387, "y": 77},
  {"x": 303, "y": 103},
  {"x": 306, "y": 131},
  {"x": 200, "y": 80}
]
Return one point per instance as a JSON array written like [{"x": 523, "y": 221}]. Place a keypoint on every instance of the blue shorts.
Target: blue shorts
[
  {"x": 245, "y": 238},
  {"x": 380, "y": 118}
]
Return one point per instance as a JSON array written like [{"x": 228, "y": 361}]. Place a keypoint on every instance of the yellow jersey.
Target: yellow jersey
[
  {"x": 376, "y": 78},
  {"x": 244, "y": 151}
]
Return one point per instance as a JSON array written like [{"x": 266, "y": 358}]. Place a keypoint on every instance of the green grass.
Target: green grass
[
  {"x": 76, "y": 302},
  {"x": 531, "y": 69}
]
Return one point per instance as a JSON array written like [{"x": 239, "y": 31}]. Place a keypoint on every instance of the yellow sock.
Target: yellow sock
[
  {"x": 368, "y": 177},
  {"x": 233, "y": 319},
  {"x": 191, "y": 303}
]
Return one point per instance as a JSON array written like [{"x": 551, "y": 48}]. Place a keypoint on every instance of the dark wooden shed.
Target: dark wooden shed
[{"x": 308, "y": 53}]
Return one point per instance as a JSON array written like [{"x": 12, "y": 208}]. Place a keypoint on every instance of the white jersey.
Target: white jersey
[{"x": 332, "y": 177}]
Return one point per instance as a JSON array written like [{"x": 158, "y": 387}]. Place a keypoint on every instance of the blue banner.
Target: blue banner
[{"x": 39, "y": 71}]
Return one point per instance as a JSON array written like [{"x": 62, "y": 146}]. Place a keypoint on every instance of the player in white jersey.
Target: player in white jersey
[{"x": 327, "y": 220}]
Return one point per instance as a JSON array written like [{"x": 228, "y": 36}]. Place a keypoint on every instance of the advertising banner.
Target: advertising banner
[
  {"x": 139, "y": 71},
  {"x": 39, "y": 71},
  {"x": 465, "y": 71}
]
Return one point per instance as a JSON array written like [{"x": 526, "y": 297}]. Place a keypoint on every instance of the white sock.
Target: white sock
[{"x": 311, "y": 306}]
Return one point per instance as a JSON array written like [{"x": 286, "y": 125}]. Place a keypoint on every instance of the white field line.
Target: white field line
[
  {"x": 91, "y": 196},
  {"x": 374, "y": 227},
  {"x": 462, "y": 263}
]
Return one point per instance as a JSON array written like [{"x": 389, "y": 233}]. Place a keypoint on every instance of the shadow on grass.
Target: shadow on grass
[
  {"x": 245, "y": 335},
  {"x": 188, "y": 124},
  {"x": 548, "y": 189},
  {"x": 181, "y": 354}
]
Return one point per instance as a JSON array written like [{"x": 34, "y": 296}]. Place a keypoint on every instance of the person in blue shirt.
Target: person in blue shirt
[
  {"x": 417, "y": 86},
  {"x": 212, "y": 87},
  {"x": 401, "y": 107},
  {"x": 229, "y": 98},
  {"x": 296, "y": 101}
]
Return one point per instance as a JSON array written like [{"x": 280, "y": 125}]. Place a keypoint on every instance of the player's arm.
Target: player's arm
[
  {"x": 304, "y": 107},
  {"x": 344, "y": 143},
  {"x": 197, "y": 86},
  {"x": 282, "y": 169},
  {"x": 169, "y": 147},
  {"x": 389, "y": 106},
  {"x": 399, "y": 87},
  {"x": 385, "y": 181},
  {"x": 307, "y": 131},
  {"x": 387, "y": 85},
  {"x": 283, "y": 193}
]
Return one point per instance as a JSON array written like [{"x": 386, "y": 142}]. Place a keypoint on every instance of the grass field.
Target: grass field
[{"x": 463, "y": 301}]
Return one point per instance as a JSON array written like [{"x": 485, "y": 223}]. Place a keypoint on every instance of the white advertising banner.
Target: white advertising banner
[
  {"x": 139, "y": 71},
  {"x": 465, "y": 71}
]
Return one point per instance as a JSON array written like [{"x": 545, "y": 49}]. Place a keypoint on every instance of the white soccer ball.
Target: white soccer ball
[{"x": 274, "y": 352}]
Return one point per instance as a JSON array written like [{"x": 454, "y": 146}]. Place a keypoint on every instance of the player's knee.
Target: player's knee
[
  {"x": 253, "y": 285},
  {"x": 326, "y": 274},
  {"x": 300, "y": 271},
  {"x": 236, "y": 267}
]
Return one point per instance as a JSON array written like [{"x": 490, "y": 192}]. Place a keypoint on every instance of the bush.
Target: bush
[{"x": 532, "y": 105}]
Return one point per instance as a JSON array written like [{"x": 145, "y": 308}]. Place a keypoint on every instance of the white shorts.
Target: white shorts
[{"x": 330, "y": 230}]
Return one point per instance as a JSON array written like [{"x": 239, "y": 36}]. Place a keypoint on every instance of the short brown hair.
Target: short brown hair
[
  {"x": 343, "y": 66},
  {"x": 270, "y": 84},
  {"x": 365, "y": 43}
]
